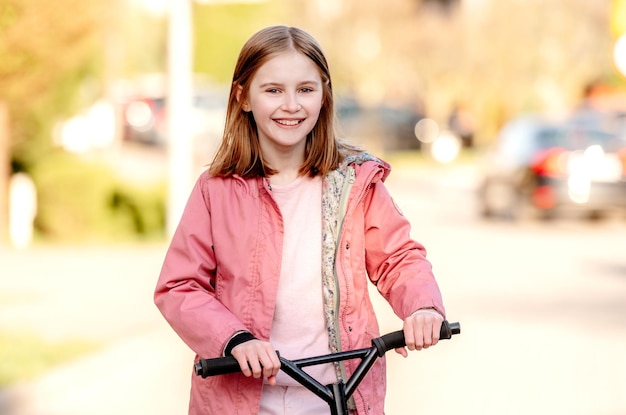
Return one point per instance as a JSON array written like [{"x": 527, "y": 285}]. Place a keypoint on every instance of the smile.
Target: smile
[{"x": 289, "y": 122}]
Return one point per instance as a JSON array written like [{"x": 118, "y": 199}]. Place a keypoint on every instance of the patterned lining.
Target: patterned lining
[{"x": 334, "y": 186}]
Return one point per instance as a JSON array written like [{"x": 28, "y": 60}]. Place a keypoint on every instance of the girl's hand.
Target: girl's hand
[
  {"x": 421, "y": 330},
  {"x": 257, "y": 358}
]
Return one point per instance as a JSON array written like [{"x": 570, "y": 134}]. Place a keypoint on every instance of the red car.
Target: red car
[{"x": 541, "y": 169}]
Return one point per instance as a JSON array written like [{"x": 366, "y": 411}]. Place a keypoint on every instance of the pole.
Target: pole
[{"x": 179, "y": 110}]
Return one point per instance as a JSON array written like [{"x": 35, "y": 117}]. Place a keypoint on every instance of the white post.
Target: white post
[
  {"x": 5, "y": 171},
  {"x": 22, "y": 210},
  {"x": 179, "y": 110}
]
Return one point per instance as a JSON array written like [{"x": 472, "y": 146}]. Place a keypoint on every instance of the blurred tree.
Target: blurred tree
[
  {"x": 500, "y": 57},
  {"x": 221, "y": 28},
  {"x": 47, "y": 52},
  {"x": 139, "y": 46},
  {"x": 4, "y": 173},
  {"x": 618, "y": 17}
]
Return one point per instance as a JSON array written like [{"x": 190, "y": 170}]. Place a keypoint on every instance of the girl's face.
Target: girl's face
[{"x": 285, "y": 98}]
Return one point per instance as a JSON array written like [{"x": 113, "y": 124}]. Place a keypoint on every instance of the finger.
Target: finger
[
  {"x": 432, "y": 329},
  {"x": 427, "y": 329},
  {"x": 419, "y": 337},
  {"x": 427, "y": 326},
  {"x": 256, "y": 358},
  {"x": 241, "y": 355},
  {"x": 248, "y": 363},
  {"x": 436, "y": 332},
  {"x": 270, "y": 363},
  {"x": 409, "y": 335},
  {"x": 401, "y": 351},
  {"x": 275, "y": 363},
  {"x": 244, "y": 366},
  {"x": 255, "y": 366}
]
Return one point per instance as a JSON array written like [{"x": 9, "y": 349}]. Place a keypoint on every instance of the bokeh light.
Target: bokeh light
[{"x": 619, "y": 54}]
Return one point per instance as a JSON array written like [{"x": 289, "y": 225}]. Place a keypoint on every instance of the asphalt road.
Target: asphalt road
[
  {"x": 542, "y": 309},
  {"x": 541, "y": 306}
]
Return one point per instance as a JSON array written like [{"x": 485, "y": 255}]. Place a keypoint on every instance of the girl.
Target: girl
[{"x": 279, "y": 238}]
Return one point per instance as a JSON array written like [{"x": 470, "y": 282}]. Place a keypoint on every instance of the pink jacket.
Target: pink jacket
[{"x": 220, "y": 275}]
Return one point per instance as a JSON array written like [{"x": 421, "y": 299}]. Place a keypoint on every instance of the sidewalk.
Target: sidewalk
[
  {"x": 103, "y": 294},
  {"x": 124, "y": 378}
]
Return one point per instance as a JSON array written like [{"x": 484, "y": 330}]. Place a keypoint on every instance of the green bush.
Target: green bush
[
  {"x": 139, "y": 212},
  {"x": 84, "y": 200},
  {"x": 25, "y": 356}
]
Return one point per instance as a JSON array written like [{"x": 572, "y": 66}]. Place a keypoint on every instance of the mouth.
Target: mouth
[{"x": 289, "y": 123}]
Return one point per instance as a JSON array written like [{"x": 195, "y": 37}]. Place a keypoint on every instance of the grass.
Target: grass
[{"x": 25, "y": 356}]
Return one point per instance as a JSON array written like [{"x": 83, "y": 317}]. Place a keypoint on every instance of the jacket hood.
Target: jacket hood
[{"x": 365, "y": 157}]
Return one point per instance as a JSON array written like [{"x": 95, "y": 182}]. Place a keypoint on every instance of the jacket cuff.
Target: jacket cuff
[
  {"x": 236, "y": 340},
  {"x": 431, "y": 309}
]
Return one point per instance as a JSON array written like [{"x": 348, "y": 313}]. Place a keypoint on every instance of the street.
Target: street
[{"x": 541, "y": 308}]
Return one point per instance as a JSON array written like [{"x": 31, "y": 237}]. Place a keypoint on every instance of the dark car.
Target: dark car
[
  {"x": 144, "y": 120},
  {"x": 384, "y": 127},
  {"x": 145, "y": 117},
  {"x": 540, "y": 168}
]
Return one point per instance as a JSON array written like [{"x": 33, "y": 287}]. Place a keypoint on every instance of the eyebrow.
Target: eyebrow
[{"x": 309, "y": 82}]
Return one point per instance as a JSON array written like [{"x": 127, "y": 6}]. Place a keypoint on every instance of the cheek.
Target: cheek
[
  {"x": 259, "y": 108},
  {"x": 314, "y": 104}
]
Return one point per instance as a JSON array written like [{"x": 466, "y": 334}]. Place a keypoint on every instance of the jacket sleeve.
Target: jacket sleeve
[
  {"x": 396, "y": 263},
  {"x": 185, "y": 292}
]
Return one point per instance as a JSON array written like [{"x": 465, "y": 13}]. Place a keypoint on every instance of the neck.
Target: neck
[{"x": 284, "y": 176}]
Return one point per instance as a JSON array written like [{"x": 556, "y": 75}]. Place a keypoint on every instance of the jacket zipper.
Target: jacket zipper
[{"x": 343, "y": 206}]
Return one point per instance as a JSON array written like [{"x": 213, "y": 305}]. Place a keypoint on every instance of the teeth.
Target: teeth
[{"x": 288, "y": 122}]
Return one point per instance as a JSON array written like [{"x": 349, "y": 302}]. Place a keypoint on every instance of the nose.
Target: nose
[{"x": 291, "y": 103}]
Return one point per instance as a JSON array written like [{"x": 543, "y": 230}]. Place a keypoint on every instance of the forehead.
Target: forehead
[{"x": 286, "y": 67}]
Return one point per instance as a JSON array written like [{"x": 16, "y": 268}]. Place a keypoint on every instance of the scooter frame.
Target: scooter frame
[{"x": 336, "y": 394}]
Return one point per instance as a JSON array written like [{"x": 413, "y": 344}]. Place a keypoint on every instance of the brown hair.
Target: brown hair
[{"x": 240, "y": 152}]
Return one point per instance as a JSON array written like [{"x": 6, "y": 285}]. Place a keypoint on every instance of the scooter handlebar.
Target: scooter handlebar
[{"x": 394, "y": 340}]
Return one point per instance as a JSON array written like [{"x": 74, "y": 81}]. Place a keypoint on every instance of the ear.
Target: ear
[{"x": 243, "y": 101}]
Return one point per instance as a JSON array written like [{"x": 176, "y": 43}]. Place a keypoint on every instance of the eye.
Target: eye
[
  {"x": 306, "y": 89},
  {"x": 272, "y": 90}
]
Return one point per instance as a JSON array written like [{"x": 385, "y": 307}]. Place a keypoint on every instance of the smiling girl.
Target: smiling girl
[{"x": 279, "y": 239}]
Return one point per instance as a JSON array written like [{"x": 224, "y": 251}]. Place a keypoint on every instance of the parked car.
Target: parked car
[
  {"x": 144, "y": 120},
  {"x": 540, "y": 168},
  {"x": 145, "y": 117},
  {"x": 384, "y": 127}
]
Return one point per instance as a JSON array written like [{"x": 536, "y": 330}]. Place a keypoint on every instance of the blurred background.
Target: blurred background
[{"x": 505, "y": 122}]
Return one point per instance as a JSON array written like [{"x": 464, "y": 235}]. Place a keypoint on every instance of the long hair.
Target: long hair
[{"x": 240, "y": 152}]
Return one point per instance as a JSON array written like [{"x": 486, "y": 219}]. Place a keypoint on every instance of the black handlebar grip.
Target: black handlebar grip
[
  {"x": 396, "y": 339},
  {"x": 449, "y": 329},
  {"x": 388, "y": 342},
  {"x": 216, "y": 366}
]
